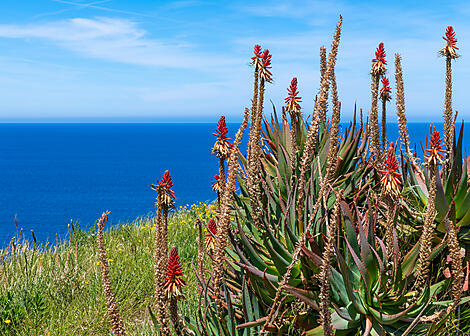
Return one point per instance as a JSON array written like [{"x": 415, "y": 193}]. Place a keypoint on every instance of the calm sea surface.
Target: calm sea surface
[{"x": 52, "y": 173}]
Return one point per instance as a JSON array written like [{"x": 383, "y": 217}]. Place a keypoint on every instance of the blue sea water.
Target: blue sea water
[{"x": 52, "y": 173}]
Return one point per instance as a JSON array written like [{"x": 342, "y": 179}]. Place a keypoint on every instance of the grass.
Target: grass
[{"x": 57, "y": 290}]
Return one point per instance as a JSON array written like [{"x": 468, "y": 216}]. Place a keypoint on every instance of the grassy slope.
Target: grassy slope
[{"x": 57, "y": 291}]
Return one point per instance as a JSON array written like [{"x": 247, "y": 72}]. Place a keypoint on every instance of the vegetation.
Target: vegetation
[
  {"x": 332, "y": 231},
  {"x": 56, "y": 290}
]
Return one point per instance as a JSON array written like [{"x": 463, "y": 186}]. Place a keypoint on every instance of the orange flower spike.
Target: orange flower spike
[
  {"x": 435, "y": 148},
  {"x": 221, "y": 147},
  {"x": 215, "y": 183},
  {"x": 256, "y": 59},
  {"x": 292, "y": 101},
  {"x": 385, "y": 90},
  {"x": 379, "y": 62},
  {"x": 391, "y": 177},
  {"x": 163, "y": 187},
  {"x": 211, "y": 232},
  {"x": 173, "y": 282},
  {"x": 265, "y": 66},
  {"x": 451, "y": 41}
]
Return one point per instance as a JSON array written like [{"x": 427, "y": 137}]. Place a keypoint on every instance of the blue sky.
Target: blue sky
[{"x": 112, "y": 60}]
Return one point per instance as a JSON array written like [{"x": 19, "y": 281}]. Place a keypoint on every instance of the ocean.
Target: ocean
[{"x": 51, "y": 174}]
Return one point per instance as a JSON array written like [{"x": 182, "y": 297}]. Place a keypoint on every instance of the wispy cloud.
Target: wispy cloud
[{"x": 118, "y": 40}]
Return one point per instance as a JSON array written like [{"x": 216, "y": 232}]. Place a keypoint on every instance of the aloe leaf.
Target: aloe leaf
[
  {"x": 260, "y": 274},
  {"x": 302, "y": 295},
  {"x": 252, "y": 324},
  {"x": 352, "y": 294},
  {"x": 442, "y": 206}
]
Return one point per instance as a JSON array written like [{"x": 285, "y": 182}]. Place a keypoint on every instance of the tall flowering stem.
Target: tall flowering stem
[
  {"x": 173, "y": 287},
  {"x": 401, "y": 114},
  {"x": 328, "y": 252},
  {"x": 224, "y": 220},
  {"x": 254, "y": 165},
  {"x": 385, "y": 96},
  {"x": 449, "y": 51},
  {"x": 323, "y": 67},
  {"x": 113, "y": 309},
  {"x": 256, "y": 63},
  {"x": 434, "y": 158},
  {"x": 165, "y": 203},
  {"x": 312, "y": 135},
  {"x": 378, "y": 70}
]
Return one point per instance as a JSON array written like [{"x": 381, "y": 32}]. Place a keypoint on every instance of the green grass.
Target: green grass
[{"x": 57, "y": 290}]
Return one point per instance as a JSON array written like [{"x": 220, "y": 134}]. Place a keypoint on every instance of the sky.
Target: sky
[{"x": 188, "y": 61}]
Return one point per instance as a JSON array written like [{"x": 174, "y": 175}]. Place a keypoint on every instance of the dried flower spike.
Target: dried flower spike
[
  {"x": 385, "y": 90},
  {"x": 379, "y": 62},
  {"x": 164, "y": 190},
  {"x": 435, "y": 148},
  {"x": 264, "y": 72},
  {"x": 292, "y": 101},
  {"x": 391, "y": 177},
  {"x": 173, "y": 283},
  {"x": 221, "y": 147},
  {"x": 450, "y": 47}
]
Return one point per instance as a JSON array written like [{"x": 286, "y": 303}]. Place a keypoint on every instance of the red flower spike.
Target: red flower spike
[
  {"x": 210, "y": 235},
  {"x": 391, "y": 177},
  {"x": 385, "y": 90},
  {"x": 215, "y": 183},
  {"x": 164, "y": 189},
  {"x": 173, "y": 282},
  {"x": 435, "y": 148},
  {"x": 265, "y": 66},
  {"x": 379, "y": 62},
  {"x": 450, "y": 47},
  {"x": 221, "y": 147},
  {"x": 292, "y": 101},
  {"x": 256, "y": 59}
]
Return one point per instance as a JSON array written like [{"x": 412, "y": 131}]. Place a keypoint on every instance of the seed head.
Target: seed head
[
  {"x": 390, "y": 176},
  {"x": 173, "y": 282},
  {"x": 221, "y": 147},
  {"x": 379, "y": 62},
  {"x": 385, "y": 90},
  {"x": 450, "y": 47},
  {"x": 292, "y": 101}
]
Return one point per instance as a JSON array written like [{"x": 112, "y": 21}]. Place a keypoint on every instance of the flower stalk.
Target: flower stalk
[
  {"x": 165, "y": 203},
  {"x": 117, "y": 326},
  {"x": 385, "y": 96},
  {"x": 378, "y": 70},
  {"x": 449, "y": 52},
  {"x": 324, "y": 279},
  {"x": 224, "y": 220},
  {"x": 312, "y": 135}
]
